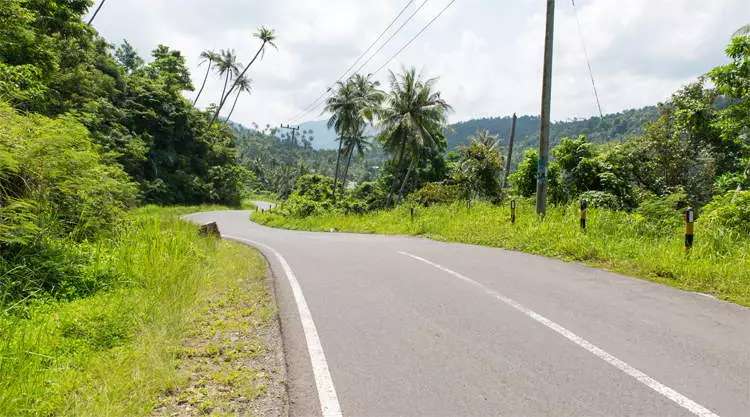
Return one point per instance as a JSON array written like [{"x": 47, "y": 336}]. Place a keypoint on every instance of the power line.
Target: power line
[
  {"x": 588, "y": 61},
  {"x": 315, "y": 104},
  {"x": 415, "y": 37},
  {"x": 311, "y": 105}
]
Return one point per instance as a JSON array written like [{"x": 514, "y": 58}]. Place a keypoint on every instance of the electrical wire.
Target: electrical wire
[
  {"x": 315, "y": 103},
  {"x": 588, "y": 61},
  {"x": 415, "y": 37}
]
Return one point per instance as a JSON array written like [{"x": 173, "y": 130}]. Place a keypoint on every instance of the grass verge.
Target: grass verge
[
  {"x": 115, "y": 352},
  {"x": 719, "y": 263}
]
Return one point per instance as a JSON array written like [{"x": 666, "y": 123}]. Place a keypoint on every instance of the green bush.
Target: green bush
[
  {"x": 730, "y": 210},
  {"x": 368, "y": 196},
  {"x": 57, "y": 192},
  {"x": 436, "y": 193},
  {"x": 600, "y": 199},
  {"x": 313, "y": 194}
]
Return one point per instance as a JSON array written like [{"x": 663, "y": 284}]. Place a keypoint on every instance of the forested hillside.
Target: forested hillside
[{"x": 612, "y": 127}]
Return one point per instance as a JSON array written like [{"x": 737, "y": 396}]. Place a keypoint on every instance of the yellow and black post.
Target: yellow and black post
[
  {"x": 583, "y": 214},
  {"x": 513, "y": 211},
  {"x": 689, "y": 221},
  {"x": 411, "y": 212}
]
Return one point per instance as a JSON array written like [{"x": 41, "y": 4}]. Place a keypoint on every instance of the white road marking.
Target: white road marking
[
  {"x": 655, "y": 385},
  {"x": 329, "y": 402}
]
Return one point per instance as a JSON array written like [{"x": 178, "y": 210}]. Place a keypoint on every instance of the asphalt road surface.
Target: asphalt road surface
[{"x": 402, "y": 326}]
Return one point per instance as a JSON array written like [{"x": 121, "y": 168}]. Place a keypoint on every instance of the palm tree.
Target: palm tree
[
  {"x": 743, "y": 31},
  {"x": 412, "y": 121},
  {"x": 368, "y": 97},
  {"x": 484, "y": 138},
  {"x": 267, "y": 37},
  {"x": 344, "y": 118},
  {"x": 207, "y": 57},
  {"x": 228, "y": 67},
  {"x": 244, "y": 86},
  {"x": 96, "y": 12}
]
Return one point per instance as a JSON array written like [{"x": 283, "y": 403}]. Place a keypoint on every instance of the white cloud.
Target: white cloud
[{"x": 487, "y": 54}]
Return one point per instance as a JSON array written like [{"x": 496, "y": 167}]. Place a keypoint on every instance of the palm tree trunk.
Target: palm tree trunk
[
  {"x": 237, "y": 97},
  {"x": 225, "y": 96},
  {"x": 208, "y": 71},
  {"x": 96, "y": 12},
  {"x": 406, "y": 180},
  {"x": 346, "y": 172},
  {"x": 336, "y": 173},
  {"x": 395, "y": 175}
]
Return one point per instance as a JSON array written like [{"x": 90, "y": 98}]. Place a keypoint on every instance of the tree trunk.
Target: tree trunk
[
  {"x": 236, "y": 98},
  {"x": 208, "y": 71},
  {"x": 96, "y": 12},
  {"x": 406, "y": 180},
  {"x": 336, "y": 173},
  {"x": 395, "y": 175},
  {"x": 346, "y": 172},
  {"x": 225, "y": 96}
]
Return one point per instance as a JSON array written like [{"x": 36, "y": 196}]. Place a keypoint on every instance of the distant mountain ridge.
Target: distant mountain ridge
[{"x": 611, "y": 127}]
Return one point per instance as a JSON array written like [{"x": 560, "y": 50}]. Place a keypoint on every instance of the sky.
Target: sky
[{"x": 487, "y": 54}]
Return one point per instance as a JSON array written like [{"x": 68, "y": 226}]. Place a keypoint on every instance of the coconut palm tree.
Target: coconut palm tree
[
  {"x": 209, "y": 57},
  {"x": 96, "y": 12},
  {"x": 227, "y": 67},
  {"x": 344, "y": 118},
  {"x": 743, "y": 31},
  {"x": 484, "y": 138},
  {"x": 368, "y": 98},
  {"x": 243, "y": 86},
  {"x": 267, "y": 37},
  {"x": 412, "y": 120}
]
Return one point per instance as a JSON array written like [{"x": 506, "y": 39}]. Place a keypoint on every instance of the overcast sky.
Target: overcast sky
[{"x": 486, "y": 53}]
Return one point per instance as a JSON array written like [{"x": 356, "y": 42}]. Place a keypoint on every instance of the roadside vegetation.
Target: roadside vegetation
[
  {"x": 695, "y": 154},
  {"x": 98, "y": 296}
]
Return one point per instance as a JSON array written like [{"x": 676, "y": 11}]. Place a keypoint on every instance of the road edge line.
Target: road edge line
[
  {"x": 329, "y": 402},
  {"x": 641, "y": 377}
]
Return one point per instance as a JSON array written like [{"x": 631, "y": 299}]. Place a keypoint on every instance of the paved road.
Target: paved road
[{"x": 412, "y": 327}]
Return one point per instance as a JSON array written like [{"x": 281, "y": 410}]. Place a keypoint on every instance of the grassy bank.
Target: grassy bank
[
  {"x": 114, "y": 352},
  {"x": 719, "y": 263}
]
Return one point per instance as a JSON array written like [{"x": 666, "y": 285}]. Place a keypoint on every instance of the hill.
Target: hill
[{"x": 616, "y": 126}]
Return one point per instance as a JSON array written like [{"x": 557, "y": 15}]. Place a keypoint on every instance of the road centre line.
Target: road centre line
[
  {"x": 641, "y": 377},
  {"x": 329, "y": 402}
]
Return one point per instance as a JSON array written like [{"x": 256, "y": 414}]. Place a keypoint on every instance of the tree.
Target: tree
[
  {"x": 478, "y": 170},
  {"x": 344, "y": 118},
  {"x": 228, "y": 67},
  {"x": 524, "y": 179},
  {"x": 413, "y": 119},
  {"x": 367, "y": 99},
  {"x": 483, "y": 137},
  {"x": 244, "y": 86},
  {"x": 128, "y": 57},
  {"x": 267, "y": 37},
  {"x": 743, "y": 31},
  {"x": 209, "y": 57},
  {"x": 96, "y": 12}
]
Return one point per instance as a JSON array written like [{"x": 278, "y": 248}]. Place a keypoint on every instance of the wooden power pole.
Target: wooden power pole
[
  {"x": 294, "y": 130},
  {"x": 510, "y": 150},
  {"x": 541, "y": 182}
]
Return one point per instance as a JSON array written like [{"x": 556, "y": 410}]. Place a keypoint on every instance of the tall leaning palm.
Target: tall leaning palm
[
  {"x": 367, "y": 100},
  {"x": 412, "y": 121},
  {"x": 209, "y": 57},
  {"x": 344, "y": 119},
  {"x": 267, "y": 37},
  {"x": 227, "y": 67},
  {"x": 243, "y": 86}
]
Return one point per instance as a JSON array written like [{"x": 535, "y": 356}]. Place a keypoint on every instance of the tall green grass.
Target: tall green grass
[
  {"x": 112, "y": 353},
  {"x": 718, "y": 264}
]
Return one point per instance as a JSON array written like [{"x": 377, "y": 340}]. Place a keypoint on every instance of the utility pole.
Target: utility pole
[
  {"x": 293, "y": 129},
  {"x": 541, "y": 181},
  {"x": 510, "y": 150}
]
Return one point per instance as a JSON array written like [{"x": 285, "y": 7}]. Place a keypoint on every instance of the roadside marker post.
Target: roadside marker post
[
  {"x": 513, "y": 211},
  {"x": 584, "y": 204},
  {"x": 689, "y": 228},
  {"x": 411, "y": 212}
]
